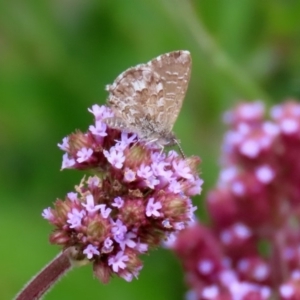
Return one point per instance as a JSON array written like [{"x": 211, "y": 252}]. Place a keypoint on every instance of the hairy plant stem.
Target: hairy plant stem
[{"x": 46, "y": 278}]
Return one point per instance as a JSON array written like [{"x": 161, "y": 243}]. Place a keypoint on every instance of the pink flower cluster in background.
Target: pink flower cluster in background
[
  {"x": 251, "y": 249},
  {"x": 136, "y": 197}
]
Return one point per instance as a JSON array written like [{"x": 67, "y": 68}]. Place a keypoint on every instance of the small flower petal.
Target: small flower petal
[
  {"x": 67, "y": 162},
  {"x": 47, "y": 214},
  {"x": 75, "y": 217},
  {"x": 65, "y": 144},
  {"x": 84, "y": 154},
  {"x": 90, "y": 251},
  {"x": 115, "y": 157},
  {"x": 118, "y": 202},
  {"x": 118, "y": 262},
  {"x": 152, "y": 208}
]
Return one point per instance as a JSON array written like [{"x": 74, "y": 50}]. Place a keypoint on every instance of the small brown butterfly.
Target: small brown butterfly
[{"x": 146, "y": 99}]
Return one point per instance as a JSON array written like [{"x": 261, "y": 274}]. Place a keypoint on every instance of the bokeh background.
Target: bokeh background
[{"x": 55, "y": 59}]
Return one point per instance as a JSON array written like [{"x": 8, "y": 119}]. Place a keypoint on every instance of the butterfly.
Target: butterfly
[{"x": 146, "y": 99}]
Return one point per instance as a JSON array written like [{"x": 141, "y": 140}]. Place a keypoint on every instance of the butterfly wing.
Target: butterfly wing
[
  {"x": 146, "y": 99},
  {"x": 134, "y": 95},
  {"x": 174, "y": 70}
]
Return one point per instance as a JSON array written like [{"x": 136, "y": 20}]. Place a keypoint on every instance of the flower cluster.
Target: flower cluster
[
  {"x": 251, "y": 250},
  {"x": 136, "y": 197}
]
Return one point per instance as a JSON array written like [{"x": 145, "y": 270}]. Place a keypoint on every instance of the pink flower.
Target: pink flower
[
  {"x": 101, "y": 112},
  {"x": 118, "y": 202},
  {"x": 118, "y": 230},
  {"x": 107, "y": 245},
  {"x": 72, "y": 196},
  {"x": 128, "y": 240},
  {"x": 90, "y": 251},
  {"x": 129, "y": 175},
  {"x": 264, "y": 174},
  {"x": 181, "y": 169},
  {"x": 65, "y": 144},
  {"x": 152, "y": 208},
  {"x": 105, "y": 211},
  {"x": 112, "y": 214},
  {"x": 99, "y": 129},
  {"x": 115, "y": 157},
  {"x": 144, "y": 171},
  {"x": 84, "y": 154},
  {"x": 75, "y": 217},
  {"x": 90, "y": 205},
  {"x": 93, "y": 181},
  {"x": 67, "y": 162},
  {"x": 118, "y": 262},
  {"x": 47, "y": 214}
]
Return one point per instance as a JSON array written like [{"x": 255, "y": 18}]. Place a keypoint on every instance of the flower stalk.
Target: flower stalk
[
  {"x": 135, "y": 198},
  {"x": 251, "y": 248}
]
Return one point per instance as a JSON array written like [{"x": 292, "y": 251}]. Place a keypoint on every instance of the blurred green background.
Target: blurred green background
[{"x": 55, "y": 59}]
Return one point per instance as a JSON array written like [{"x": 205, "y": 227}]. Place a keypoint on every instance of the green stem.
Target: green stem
[{"x": 184, "y": 14}]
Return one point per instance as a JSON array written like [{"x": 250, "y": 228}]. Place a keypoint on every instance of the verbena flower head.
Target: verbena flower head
[
  {"x": 251, "y": 250},
  {"x": 136, "y": 197}
]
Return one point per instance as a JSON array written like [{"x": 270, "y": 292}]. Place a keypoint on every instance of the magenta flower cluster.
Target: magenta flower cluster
[
  {"x": 136, "y": 197},
  {"x": 251, "y": 250}
]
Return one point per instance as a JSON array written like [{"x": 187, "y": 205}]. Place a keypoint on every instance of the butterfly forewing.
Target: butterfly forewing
[
  {"x": 134, "y": 94},
  {"x": 174, "y": 70},
  {"x": 146, "y": 99}
]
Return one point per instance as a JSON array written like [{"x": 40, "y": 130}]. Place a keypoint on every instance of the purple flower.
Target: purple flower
[
  {"x": 128, "y": 240},
  {"x": 172, "y": 154},
  {"x": 101, "y": 112},
  {"x": 129, "y": 175},
  {"x": 115, "y": 157},
  {"x": 47, "y": 214},
  {"x": 166, "y": 223},
  {"x": 65, "y": 144},
  {"x": 289, "y": 126},
  {"x": 107, "y": 245},
  {"x": 287, "y": 291},
  {"x": 118, "y": 230},
  {"x": 205, "y": 266},
  {"x": 127, "y": 139},
  {"x": 141, "y": 247},
  {"x": 195, "y": 188},
  {"x": 75, "y": 217},
  {"x": 250, "y": 148},
  {"x": 210, "y": 292},
  {"x": 67, "y": 162},
  {"x": 151, "y": 182},
  {"x": 90, "y": 205},
  {"x": 159, "y": 170},
  {"x": 99, "y": 129},
  {"x": 264, "y": 174},
  {"x": 152, "y": 208},
  {"x": 113, "y": 211},
  {"x": 179, "y": 226},
  {"x": 72, "y": 196},
  {"x": 105, "y": 211},
  {"x": 118, "y": 202},
  {"x": 144, "y": 171},
  {"x": 127, "y": 276},
  {"x": 93, "y": 181},
  {"x": 90, "y": 251},
  {"x": 192, "y": 210},
  {"x": 118, "y": 261},
  {"x": 84, "y": 154},
  {"x": 181, "y": 169},
  {"x": 175, "y": 187}
]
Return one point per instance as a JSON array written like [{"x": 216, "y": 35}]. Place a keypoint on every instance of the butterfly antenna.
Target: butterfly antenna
[{"x": 180, "y": 148}]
